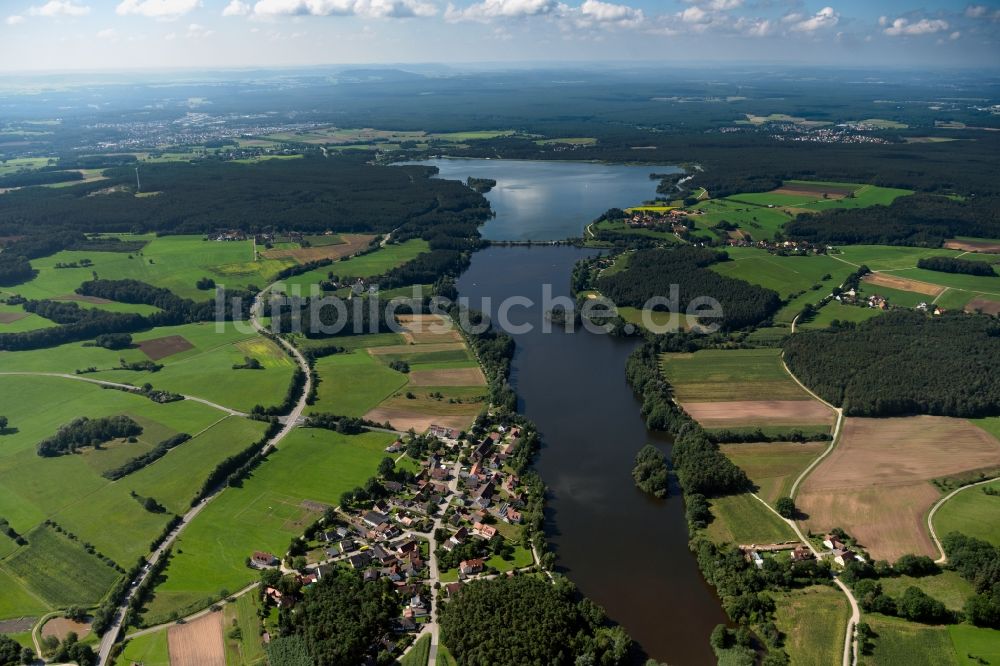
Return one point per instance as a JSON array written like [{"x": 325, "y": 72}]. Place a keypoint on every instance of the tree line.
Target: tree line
[
  {"x": 956, "y": 265},
  {"x": 903, "y": 363},
  {"x": 147, "y": 458}
]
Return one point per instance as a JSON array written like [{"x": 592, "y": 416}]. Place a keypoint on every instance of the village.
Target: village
[{"x": 457, "y": 517}]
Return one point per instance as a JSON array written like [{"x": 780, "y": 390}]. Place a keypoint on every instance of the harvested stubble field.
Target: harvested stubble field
[
  {"x": 990, "y": 247},
  {"x": 876, "y": 482},
  {"x": 448, "y": 377},
  {"x": 352, "y": 243},
  {"x": 197, "y": 643},
  {"x": 759, "y": 412},
  {"x": 983, "y": 305},
  {"x": 11, "y": 317},
  {"x": 903, "y": 284}
]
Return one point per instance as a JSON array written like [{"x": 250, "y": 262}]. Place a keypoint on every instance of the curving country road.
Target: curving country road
[
  {"x": 940, "y": 502},
  {"x": 111, "y": 635}
]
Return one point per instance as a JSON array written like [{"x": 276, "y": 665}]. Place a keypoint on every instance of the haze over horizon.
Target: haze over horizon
[{"x": 73, "y": 35}]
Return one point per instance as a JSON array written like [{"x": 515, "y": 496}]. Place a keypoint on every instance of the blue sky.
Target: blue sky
[{"x": 99, "y": 34}]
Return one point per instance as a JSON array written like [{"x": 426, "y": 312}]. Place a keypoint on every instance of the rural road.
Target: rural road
[
  {"x": 940, "y": 502},
  {"x": 111, "y": 635},
  {"x": 127, "y": 387},
  {"x": 850, "y": 644}
]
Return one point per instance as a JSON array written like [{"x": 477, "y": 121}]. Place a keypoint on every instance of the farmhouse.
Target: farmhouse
[
  {"x": 261, "y": 559},
  {"x": 469, "y": 567}
]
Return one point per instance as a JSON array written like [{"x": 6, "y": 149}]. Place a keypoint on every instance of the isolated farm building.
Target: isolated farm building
[
  {"x": 263, "y": 559},
  {"x": 842, "y": 556},
  {"x": 832, "y": 542},
  {"x": 801, "y": 554}
]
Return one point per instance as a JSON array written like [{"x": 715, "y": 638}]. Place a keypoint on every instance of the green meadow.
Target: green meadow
[
  {"x": 972, "y": 512},
  {"x": 148, "y": 650},
  {"x": 773, "y": 466},
  {"x": 902, "y": 643},
  {"x": 353, "y": 383},
  {"x": 743, "y": 519},
  {"x": 173, "y": 262},
  {"x": 205, "y": 371},
  {"x": 70, "y": 489},
  {"x": 838, "y": 311},
  {"x": 365, "y": 266},
  {"x": 718, "y": 375},
  {"x": 760, "y": 222},
  {"x": 814, "y": 621},
  {"x": 974, "y": 645},
  {"x": 263, "y": 514},
  {"x": 948, "y": 587}
]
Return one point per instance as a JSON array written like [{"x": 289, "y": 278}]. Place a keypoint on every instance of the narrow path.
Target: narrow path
[
  {"x": 127, "y": 387},
  {"x": 940, "y": 502},
  {"x": 111, "y": 635},
  {"x": 850, "y": 644}
]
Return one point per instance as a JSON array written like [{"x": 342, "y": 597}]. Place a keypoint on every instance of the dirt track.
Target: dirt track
[
  {"x": 197, "y": 643},
  {"x": 876, "y": 483}
]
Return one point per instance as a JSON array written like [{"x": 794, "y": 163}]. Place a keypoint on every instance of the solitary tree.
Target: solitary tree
[
  {"x": 3, "y": 423},
  {"x": 785, "y": 506}
]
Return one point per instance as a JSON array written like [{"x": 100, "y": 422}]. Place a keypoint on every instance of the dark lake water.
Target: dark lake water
[
  {"x": 552, "y": 200},
  {"x": 624, "y": 549}
]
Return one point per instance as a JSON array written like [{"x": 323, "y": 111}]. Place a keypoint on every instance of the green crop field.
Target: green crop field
[
  {"x": 419, "y": 653},
  {"x": 352, "y": 342},
  {"x": 16, "y": 600},
  {"x": 365, "y": 266},
  {"x": 774, "y": 466},
  {"x": 896, "y": 297},
  {"x": 947, "y": 587},
  {"x": 248, "y": 650},
  {"x": 902, "y": 643},
  {"x": 864, "y": 196},
  {"x": 205, "y": 371},
  {"x": 59, "y": 570},
  {"x": 974, "y": 283},
  {"x": 148, "y": 650},
  {"x": 718, "y": 375},
  {"x": 814, "y": 622},
  {"x": 889, "y": 257},
  {"x": 263, "y": 514},
  {"x": 743, "y": 519},
  {"x": 28, "y": 321},
  {"x": 975, "y": 646},
  {"x": 972, "y": 512},
  {"x": 353, "y": 383},
  {"x": 838, "y": 311},
  {"x": 173, "y": 262}
]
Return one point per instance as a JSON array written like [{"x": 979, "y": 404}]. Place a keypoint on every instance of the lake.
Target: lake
[
  {"x": 624, "y": 549},
  {"x": 536, "y": 200}
]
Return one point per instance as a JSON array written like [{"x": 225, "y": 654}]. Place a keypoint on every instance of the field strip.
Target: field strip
[
  {"x": 128, "y": 387},
  {"x": 24, "y": 586},
  {"x": 938, "y": 505}
]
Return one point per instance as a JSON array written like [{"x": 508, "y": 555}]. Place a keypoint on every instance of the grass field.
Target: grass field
[
  {"x": 354, "y": 383},
  {"x": 720, "y": 375},
  {"x": 148, "y": 650},
  {"x": 947, "y": 587},
  {"x": 761, "y": 223},
  {"x": 263, "y": 514},
  {"x": 814, "y": 621},
  {"x": 902, "y": 643},
  {"x": 173, "y": 262},
  {"x": 248, "y": 650},
  {"x": 834, "y": 311},
  {"x": 773, "y": 466},
  {"x": 17, "y": 600},
  {"x": 743, "y": 519},
  {"x": 975, "y": 646},
  {"x": 205, "y": 371},
  {"x": 971, "y": 512},
  {"x": 365, "y": 266},
  {"x": 59, "y": 570},
  {"x": 419, "y": 653}
]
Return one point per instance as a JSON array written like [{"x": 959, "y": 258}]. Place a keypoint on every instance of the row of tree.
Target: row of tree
[
  {"x": 148, "y": 458},
  {"x": 956, "y": 265}
]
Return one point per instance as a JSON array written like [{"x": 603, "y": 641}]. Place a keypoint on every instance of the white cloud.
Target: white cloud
[
  {"x": 982, "y": 12},
  {"x": 158, "y": 9},
  {"x": 14, "y": 19},
  {"x": 754, "y": 27},
  {"x": 717, "y": 5},
  {"x": 607, "y": 12},
  {"x": 107, "y": 33},
  {"x": 695, "y": 14},
  {"x": 488, "y": 10},
  {"x": 54, "y": 8},
  {"x": 824, "y": 18},
  {"x": 198, "y": 31},
  {"x": 903, "y": 27},
  {"x": 955, "y": 35},
  {"x": 237, "y": 8},
  {"x": 365, "y": 8}
]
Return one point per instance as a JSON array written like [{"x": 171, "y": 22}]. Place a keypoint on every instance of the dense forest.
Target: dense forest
[
  {"x": 921, "y": 219},
  {"x": 903, "y": 363},
  {"x": 342, "y": 617},
  {"x": 956, "y": 265},
  {"x": 341, "y": 193},
  {"x": 979, "y": 563},
  {"x": 85, "y": 431},
  {"x": 652, "y": 273},
  {"x": 527, "y": 620}
]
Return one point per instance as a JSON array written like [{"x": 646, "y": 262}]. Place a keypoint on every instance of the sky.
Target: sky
[{"x": 60, "y": 35}]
